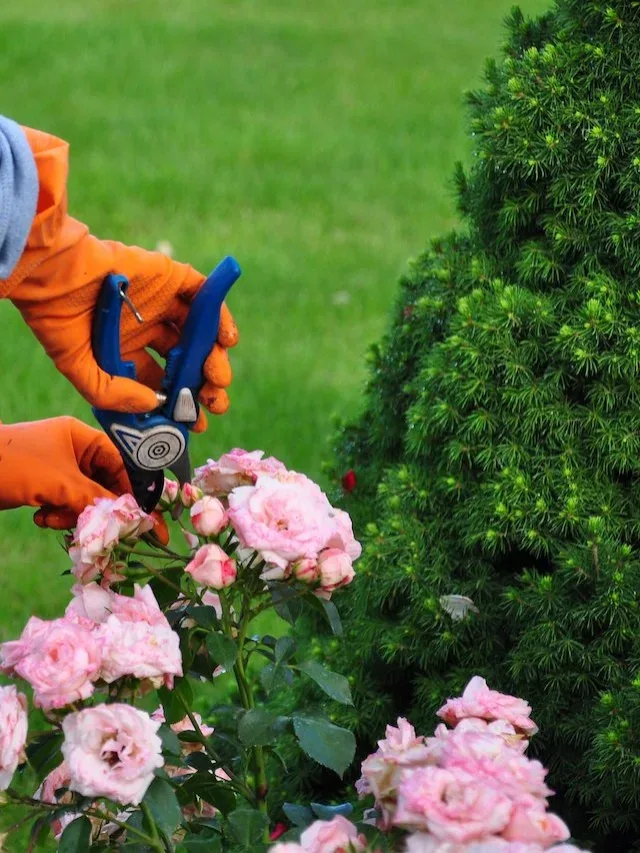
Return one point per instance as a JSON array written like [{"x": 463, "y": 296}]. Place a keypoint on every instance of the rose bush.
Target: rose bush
[{"x": 127, "y": 762}]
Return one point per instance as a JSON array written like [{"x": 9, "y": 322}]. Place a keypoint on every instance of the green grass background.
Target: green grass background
[{"x": 312, "y": 139}]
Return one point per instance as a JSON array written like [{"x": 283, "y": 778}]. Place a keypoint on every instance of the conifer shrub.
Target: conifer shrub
[{"x": 498, "y": 455}]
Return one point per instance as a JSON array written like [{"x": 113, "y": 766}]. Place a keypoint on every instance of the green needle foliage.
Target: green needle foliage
[{"x": 498, "y": 456}]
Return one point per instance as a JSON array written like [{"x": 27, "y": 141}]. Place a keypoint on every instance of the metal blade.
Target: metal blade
[{"x": 147, "y": 486}]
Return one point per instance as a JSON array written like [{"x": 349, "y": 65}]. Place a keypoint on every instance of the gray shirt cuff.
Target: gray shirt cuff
[{"x": 18, "y": 194}]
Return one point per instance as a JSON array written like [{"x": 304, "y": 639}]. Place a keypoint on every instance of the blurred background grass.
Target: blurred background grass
[{"x": 313, "y": 141}]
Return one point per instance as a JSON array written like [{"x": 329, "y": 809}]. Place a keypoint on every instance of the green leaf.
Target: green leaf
[
  {"x": 333, "y": 617},
  {"x": 207, "y": 841},
  {"x": 271, "y": 678},
  {"x": 334, "y": 685},
  {"x": 223, "y": 650},
  {"x": 209, "y": 789},
  {"x": 136, "y": 820},
  {"x": 329, "y": 745},
  {"x": 39, "y": 833},
  {"x": 204, "y": 615},
  {"x": 258, "y": 727},
  {"x": 170, "y": 742},
  {"x": 200, "y": 761},
  {"x": 174, "y": 701},
  {"x": 44, "y": 753},
  {"x": 163, "y": 805},
  {"x": 286, "y": 603},
  {"x": 285, "y": 647},
  {"x": 329, "y": 812},
  {"x": 247, "y": 827},
  {"x": 329, "y": 611},
  {"x": 76, "y": 837}
]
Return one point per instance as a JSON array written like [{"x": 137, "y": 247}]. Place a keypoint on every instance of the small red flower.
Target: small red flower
[
  {"x": 349, "y": 480},
  {"x": 278, "y": 830}
]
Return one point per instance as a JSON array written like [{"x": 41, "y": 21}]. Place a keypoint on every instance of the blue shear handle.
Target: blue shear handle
[
  {"x": 106, "y": 328},
  {"x": 185, "y": 362}
]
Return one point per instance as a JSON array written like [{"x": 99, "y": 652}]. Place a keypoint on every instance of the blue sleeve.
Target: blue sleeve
[{"x": 18, "y": 194}]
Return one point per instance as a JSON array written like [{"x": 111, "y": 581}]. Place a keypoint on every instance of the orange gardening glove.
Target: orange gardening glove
[
  {"x": 60, "y": 465},
  {"x": 56, "y": 284}
]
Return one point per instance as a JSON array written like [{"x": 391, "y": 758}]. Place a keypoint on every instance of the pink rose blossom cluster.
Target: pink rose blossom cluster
[
  {"x": 326, "y": 836},
  {"x": 13, "y": 732},
  {"x": 289, "y": 521},
  {"x": 103, "y": 636},
  {"x": 100, "y": 528},
  {"x": 282, "y": 515},
  {"x": 468, "y": 789}
]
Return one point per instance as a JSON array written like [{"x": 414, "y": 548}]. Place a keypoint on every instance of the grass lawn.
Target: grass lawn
[{"x": 314, "y": 141}]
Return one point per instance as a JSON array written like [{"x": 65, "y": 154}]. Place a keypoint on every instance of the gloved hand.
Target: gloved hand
[
  {"x": 56, "y": 284},
  {"x": 60, "y": 465}
]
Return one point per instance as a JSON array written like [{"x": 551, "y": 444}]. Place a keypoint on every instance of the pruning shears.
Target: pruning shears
[{"x": 150, "y": 443}]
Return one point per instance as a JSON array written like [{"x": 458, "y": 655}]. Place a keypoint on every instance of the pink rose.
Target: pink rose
[
  {"x": 402, "y": 746},
  {"x": 531, "y": 822},
  {"x": 450, "y": 806},
  {"x": 139, "y": 607},
  {"x": 479, "y": 701},
  {"x": 343, "y": 538},
  {"x": 141, "y": 650},
  {"x": 306, "y": 571},
  {"x": 190, "y": 494},
  {"x": 287, "y": 847},
  {"x": 112, "y": 751},
  {"x": 170, "y": 491},
  {"x": 60, "y": 660},
  {"x": 382, "y": 771},
  {"x": 99, "y": 529},
  {"x": 422, "y": 842},
  {"x": 96, "y": 604},
  {"x": 488, "y": 759},
  {"x": 13, "y": 732},
  {"x": 333, "y": 836},
  {"x": 233, "y": 469},
  {"x": 500, "y": 728},
  {"x": 211, "y": 567},
  {"x": 335, "y": 570},
  {"x": 425, "y": 843},
  {"x": 208, "y": 516},
  {"x": 90, "y": 602},
  {"x": 284, "y": 521},
  {"x": 137, "y": 640}
]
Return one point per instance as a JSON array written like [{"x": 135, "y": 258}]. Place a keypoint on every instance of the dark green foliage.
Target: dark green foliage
[{"x": 499, "y": 453}]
